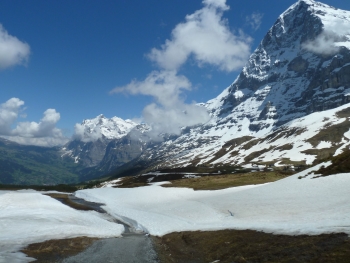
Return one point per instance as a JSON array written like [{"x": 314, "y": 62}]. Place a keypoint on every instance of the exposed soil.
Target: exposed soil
[
  {"x": 64, "y": 198},
  {"x": 56, "y": 250},
  {"x": 243, "y": 246}
]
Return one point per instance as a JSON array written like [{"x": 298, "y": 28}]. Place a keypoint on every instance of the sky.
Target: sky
[{"x": 150, "y": 61}]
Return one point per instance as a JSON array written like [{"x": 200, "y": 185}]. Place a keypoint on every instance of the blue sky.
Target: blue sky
[{"x": 74, "y": 53}]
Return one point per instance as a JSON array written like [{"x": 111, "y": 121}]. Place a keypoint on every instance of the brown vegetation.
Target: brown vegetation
[
  {"x": 242, "y": 246},
  {"x": 228, "y": 180},
  {"x": 340, "y": 164},
  {"x": 64, "y": 198},
  {"x": 56, "y": 250}
]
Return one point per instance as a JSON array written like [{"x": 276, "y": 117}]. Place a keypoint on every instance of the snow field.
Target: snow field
[
  {"x": 29, "y": 217},
  {"x": 288, "y": 206}
]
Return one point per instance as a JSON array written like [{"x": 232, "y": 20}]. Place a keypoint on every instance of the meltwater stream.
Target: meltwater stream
[{"x": 133, "y": 246}]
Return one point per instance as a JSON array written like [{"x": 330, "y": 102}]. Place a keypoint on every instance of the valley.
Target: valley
[{"x": 264, "y": 176}]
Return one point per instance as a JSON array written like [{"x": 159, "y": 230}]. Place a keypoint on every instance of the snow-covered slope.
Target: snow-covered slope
[
  {"x": 289, "y": 206},
  {"x": 301, "y": 67}
]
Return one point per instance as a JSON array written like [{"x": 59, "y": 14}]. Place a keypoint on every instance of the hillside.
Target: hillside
[{"x": 24, "y": 165}]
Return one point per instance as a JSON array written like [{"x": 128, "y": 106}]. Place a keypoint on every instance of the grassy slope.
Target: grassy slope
[
  {"x": 24, "y": 165},
  {"x": 245, "y": 246},
  {"x": 206, "y": 182},
  {"x": 340, "y": 164},
  {"x": 228, "y": 180}
]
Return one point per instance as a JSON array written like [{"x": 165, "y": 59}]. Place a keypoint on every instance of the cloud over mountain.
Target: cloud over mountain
[{"x": 204, "y": 37}]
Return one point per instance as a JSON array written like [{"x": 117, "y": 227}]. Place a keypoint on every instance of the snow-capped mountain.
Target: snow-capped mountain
[
  {"x": 103, "y": 128},
  {"x": 93, "y": 136},
  {"x": 299, "y": 73}
]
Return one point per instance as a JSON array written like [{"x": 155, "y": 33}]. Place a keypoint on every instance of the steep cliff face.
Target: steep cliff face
[
  {"x": 288, "y": 76},
  {"x": 290, "y": 104},
  {"x": 119, "y": 152},
  {"x": 301, "y": 67}
]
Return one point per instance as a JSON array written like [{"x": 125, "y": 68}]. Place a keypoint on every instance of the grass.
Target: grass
[
  {"x": 56, "y": 250},
  {"x": 206, "y": 182},
  {"x": 243, "y": 246},
  {"x": 340, "y": 164},
  {"x": 228, "y": 180},
  {"x": 32, "y": 165}
]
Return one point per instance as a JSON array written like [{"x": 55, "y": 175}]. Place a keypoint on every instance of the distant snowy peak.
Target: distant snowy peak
[{"x": 102, "y": 127}]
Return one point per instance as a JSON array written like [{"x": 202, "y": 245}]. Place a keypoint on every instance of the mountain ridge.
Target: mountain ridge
[
  {"x": 284, "y": 80},
  {"x": 289, "y": 105}
]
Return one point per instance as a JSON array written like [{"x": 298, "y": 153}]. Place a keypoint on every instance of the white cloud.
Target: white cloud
[
  {"x": 43, "y": 141},
  {"x": 45, "y": 128},
  {"x": 206, "y": 36},
  {"x": 171, "y": 120},
  {"x": 165, "y": 86},
  {"x": 329, "y": 41},
  {"x": 216, "y": 3},
  {"x": 43, "y": 133},
  {"x": 254, "y": 20},
  {"x": 324, "y": 44},
  {"x": 170, "y": 112},
  {"x": 8, "y": 114},
  {"x": 12, "y": 51}
]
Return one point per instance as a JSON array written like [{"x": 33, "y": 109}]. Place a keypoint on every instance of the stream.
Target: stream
[{"x": 134, "y": 246}]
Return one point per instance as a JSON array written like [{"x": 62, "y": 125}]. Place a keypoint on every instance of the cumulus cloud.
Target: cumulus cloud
[
  {"x": 12, "y": 51},
  {"x": 331, "y": 38},
  {"x": 170, "y": 112},
  {"x": 254, "y": 20},
  {"x": 43, "y": 133},
  {"x": 165, "y": 86},
  {"x": 45, "y": 128},
  {"x": 8, "y": 114},
  {"x": 206, "y": 36},
  {"x": 169, "y": 120}
]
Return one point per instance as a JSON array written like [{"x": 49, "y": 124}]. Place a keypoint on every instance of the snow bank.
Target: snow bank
[
  {"x": 288, "y": 206},
  {"x": 28, "y": 217}
]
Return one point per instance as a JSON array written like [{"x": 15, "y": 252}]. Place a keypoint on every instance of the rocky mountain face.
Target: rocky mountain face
[
  {"x": 285, "y": 103},
  {"x": 289, "y": 105},
  {"x": 106, "y": 143}
]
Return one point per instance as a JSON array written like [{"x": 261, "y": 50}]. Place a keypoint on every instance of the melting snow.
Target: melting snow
[
  {"x": 289, "y": 206},
  {"x": 29, "y": 217}
]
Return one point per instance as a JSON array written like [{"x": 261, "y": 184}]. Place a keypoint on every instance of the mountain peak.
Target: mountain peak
[
  {"x": 300, "y": 67},
  {"x": 102, "y": 127}
]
